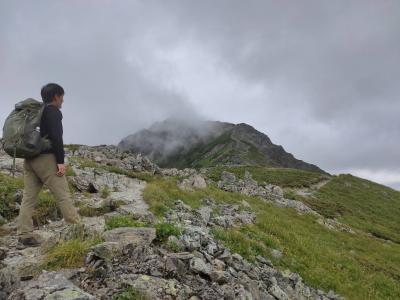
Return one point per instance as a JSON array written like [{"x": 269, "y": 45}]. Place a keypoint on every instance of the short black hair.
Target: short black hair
[{"x": 50, "y": 90}]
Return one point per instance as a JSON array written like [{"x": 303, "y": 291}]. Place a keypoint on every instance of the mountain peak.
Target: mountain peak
[{"x": 177, "y": 142}]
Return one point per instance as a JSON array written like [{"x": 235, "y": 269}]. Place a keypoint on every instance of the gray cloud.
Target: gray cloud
[
  {"x": 319, "y": 77},
  {"x": 99, "y": 55}
]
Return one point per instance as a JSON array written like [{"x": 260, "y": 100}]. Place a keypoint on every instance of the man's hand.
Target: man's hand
[{"x": 61, "y": 169}]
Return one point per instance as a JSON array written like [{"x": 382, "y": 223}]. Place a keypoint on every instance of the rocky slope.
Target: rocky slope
[
  {"x": 176, "y": 143},
  {"x": 150, "y": 258}
]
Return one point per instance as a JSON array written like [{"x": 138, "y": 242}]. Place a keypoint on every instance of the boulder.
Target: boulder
[
  {"x": 195, "y": 181},
  {"x": 198, "y": 265}
]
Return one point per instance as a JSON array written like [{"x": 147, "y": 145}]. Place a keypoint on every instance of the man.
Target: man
[{"x": 48, "y": 168}]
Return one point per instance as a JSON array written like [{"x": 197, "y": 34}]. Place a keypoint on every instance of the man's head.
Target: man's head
[{"x": 53, "y": 93}]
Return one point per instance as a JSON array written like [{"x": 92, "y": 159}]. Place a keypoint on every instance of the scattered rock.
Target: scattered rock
[
  {"x": 9, "y": 281},
  {"x": 131, "y": 235},
  {"x": 50, "y": 286},
  {"x": 128, "y": 258}
]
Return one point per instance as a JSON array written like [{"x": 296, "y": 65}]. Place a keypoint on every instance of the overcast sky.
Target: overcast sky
[{"x": 320, "y": 78}]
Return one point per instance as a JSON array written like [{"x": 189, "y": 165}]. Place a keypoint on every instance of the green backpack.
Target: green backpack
[{"x": 21, "y": 130}]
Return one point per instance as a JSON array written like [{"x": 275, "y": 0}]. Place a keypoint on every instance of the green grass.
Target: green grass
[
  {"x": 356, "y": 266},
  {"x": 165, "y": 230},
  {"x": 88, "y": 211},
  {"x": 283, "y": 177},
  {"x": 161, "y": 195},
  {"x": 46, "y": 208},
  {"x": 146, "y": 176},
  {"x": 72, "y": 147},
  {"x": 105, "y": 192},
  {"x": 69, "y": 171},
  {"x": 8, "y": 187},
  {"x": 68, "y": 254},
  {"x": 254, "y": 155},
  {"x": 360, "y": 203},
  {"x": 131, "y": 294},
  {"x": 196, "y": 156},
  {"x": 124, "y": 221}
]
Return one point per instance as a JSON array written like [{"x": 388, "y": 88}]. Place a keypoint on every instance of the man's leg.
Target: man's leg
[
  {"x": 46, "y": 167},
  {"x": 32, "y": 186}
]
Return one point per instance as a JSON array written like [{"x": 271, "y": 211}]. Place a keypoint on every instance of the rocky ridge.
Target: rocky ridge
[
  {"x": 200, "y": 267},
  {"x": 176, "y": 142}
]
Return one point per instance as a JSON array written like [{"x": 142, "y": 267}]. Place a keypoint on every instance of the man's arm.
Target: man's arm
[{"x": 55, "y": 132}]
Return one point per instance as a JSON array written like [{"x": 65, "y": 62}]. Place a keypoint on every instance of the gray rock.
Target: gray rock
[
  {"x": 3, "y": 253},
  {"x": 218, "y": 265},
  {"x": 231, "y": 215},
  {"x": 228, "y": 177},
  {"x": 205, "y": 213},
  {"x": 9, "y": 281},
  {"x": 69, "y": 294},
  {"x": 131, "y": 235},
  {"x": 198, "y": 181},
  {"x": 220, "y": 277},
  {"x": 198, "y": 265},
  {"x": 277, "y": 292},
  {"x": 50, "y": 286},
  {"x": 195, "y": 181},
  {"x": 175, "y": 266},
  {"x": 106, "y": 251},
  {"x": 276, "y": 253}
]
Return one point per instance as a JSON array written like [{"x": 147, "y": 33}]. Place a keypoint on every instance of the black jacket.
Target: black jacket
[{"x": 51, "y": 124}]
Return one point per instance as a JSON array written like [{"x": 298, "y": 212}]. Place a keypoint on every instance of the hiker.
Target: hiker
[{"x": 47, "y": 168}]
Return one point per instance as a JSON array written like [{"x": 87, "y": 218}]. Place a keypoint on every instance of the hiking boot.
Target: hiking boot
[{"x": 28, "y": 240}]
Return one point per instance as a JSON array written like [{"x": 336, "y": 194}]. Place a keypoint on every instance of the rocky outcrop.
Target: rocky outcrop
[
  {"x": 268, "y": 192},
  {"x": 113, "y": 156}
]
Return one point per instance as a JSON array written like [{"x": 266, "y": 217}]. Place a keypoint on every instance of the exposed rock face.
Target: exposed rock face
[{"x": 179, "y": 143}]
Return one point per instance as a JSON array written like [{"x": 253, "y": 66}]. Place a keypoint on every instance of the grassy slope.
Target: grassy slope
[
  {"x": 362, "y": 204},
  {"x": 216, "y": 151},
  {"x": 358, "y": 266},
  {"x": 196, "y": 156},
  {"x": 283, "y": 177}
]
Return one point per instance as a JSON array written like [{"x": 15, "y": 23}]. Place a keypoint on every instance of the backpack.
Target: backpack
[{"x": 21, "y": 131}]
